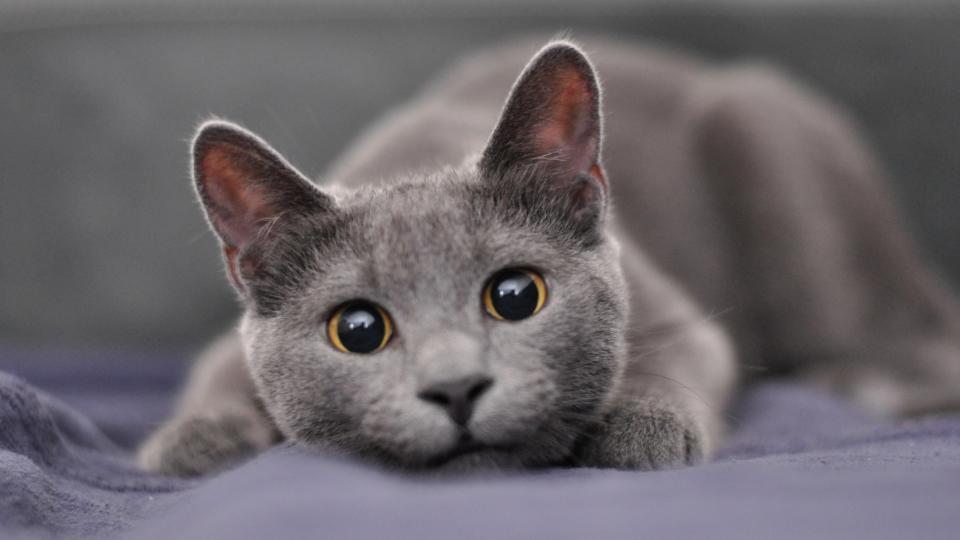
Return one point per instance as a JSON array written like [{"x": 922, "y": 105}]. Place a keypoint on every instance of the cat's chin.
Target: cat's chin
[
  {"x": 482, "y": 460},
  {"x": 470, "y": 456}
]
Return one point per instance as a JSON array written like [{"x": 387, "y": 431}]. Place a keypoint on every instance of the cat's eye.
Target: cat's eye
[
  {"x": 514, "y": 294},
  {"x": 359, "y": 327}
]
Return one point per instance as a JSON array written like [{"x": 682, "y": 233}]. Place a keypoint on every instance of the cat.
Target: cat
[{"x": 481, "y": 285}]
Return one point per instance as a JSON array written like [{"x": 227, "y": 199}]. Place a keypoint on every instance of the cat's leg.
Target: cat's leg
[
  {"x": 218, "y": 421},
  {"x": 918, "y": 376},
  {"x": 834, "y": 288},
  {"x": 669, "y": 408}
]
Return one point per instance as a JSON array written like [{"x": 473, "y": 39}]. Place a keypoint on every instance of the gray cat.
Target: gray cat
[{"x": 452, "y": 299}]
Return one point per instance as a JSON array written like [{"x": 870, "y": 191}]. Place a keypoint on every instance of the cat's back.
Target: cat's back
[{"x": 750, "y": 191}]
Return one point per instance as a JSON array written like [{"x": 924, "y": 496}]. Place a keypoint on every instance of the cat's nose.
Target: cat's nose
[{"x": 457, "y": 397}]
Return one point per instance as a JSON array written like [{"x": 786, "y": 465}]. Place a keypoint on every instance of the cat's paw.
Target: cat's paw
[
  {"x": 199, "y": 445},
  {"x": 643, "y": 437}
]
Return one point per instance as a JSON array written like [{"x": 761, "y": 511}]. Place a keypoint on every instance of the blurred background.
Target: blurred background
[{"x": 102, "y": 243}]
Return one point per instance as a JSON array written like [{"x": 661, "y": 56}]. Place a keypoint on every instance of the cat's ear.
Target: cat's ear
[
  {"x": 552, "y": 122},
  {"x": 246, "y": 187}
]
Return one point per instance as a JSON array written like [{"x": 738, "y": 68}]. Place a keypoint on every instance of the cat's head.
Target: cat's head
[{"x": 468, "y": 316}]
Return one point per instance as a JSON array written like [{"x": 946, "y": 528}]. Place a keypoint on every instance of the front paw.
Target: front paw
[
  {"x": 644, "y": 437},
  {"x": 199, "y": 445}
]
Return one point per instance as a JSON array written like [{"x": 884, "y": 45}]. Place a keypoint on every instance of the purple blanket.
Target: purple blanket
[{"x": 800, "y": 464}]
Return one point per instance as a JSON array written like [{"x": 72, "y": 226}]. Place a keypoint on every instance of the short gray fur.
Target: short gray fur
[{"x": 744, "y": 222}]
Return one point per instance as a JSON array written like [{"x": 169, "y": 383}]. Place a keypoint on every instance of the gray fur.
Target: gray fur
[{"x": 746, "y": 220}]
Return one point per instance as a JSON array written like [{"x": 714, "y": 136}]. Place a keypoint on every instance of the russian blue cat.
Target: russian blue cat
[{"x": 570, "y": 278}]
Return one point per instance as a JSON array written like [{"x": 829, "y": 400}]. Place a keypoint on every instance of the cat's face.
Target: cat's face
[
  {"x": 427, "y": 266},
  {"x": 469, "y": 317}
]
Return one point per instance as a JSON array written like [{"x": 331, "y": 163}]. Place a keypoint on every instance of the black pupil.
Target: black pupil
[
  {"x": 514, "y": 295},
  {"x": 361, "y": 328}
]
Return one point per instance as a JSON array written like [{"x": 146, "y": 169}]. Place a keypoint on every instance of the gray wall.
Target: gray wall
[{"x": 101, "y": 241}]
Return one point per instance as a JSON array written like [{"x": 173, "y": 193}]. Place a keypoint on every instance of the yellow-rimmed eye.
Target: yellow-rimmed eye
[
  {"x": 359, "y": 327},
  {"x": 514, "y": 294}
]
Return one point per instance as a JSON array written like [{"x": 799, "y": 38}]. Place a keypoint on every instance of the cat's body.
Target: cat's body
[{"x": 748, "y": 224}]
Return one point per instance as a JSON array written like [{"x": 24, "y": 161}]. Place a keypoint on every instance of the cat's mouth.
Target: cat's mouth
[{"x": 466, "y": 445}]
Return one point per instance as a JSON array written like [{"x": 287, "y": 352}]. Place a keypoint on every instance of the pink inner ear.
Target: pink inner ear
[
  {"x": 230, "y": 256},
  {"x": 569, "y": 127},
  {"x": 596, "y": 171},
  {"x": 238, "y": 205}
]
